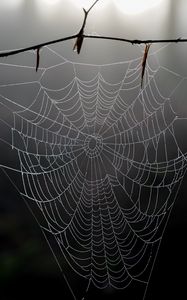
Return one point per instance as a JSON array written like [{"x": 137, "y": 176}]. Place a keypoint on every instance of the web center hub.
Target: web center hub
[{"x": 93, "y": 145}]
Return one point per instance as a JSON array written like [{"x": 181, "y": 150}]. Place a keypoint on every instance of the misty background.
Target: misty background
[{"x": 25, "y": 258}]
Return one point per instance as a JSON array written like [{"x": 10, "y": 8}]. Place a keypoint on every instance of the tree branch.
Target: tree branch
[
  {"x": 35, "y": 47},
  {"x": 136, "y": 41},
  {"x": 130, "y": 41},
  {"x": 92, "y": 6},
  {"x": 80, "y": 35}
]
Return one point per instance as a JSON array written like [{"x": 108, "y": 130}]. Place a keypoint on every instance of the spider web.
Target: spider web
[{"x": 99, "y": 162}]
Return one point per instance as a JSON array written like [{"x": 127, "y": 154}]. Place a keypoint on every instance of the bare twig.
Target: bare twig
[
  {"x": 92, "y": 5},
  {"x": 130, "y": 41},
  {"x": 136, "y": 41},
  {"x": 80, "y": 35},
  {"x": 35, "y": 47}
]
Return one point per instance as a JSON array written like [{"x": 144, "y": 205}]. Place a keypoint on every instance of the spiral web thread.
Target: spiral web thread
[{"x": 99, "y": 158}]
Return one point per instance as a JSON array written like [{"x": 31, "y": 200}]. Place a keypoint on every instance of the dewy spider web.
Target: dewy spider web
[{"x": 99, "y": 162}]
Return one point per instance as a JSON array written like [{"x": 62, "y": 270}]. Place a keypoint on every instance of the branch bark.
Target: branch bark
[
  {"x": 80, "y": 37},
  {"x": 130, "y": 41}
]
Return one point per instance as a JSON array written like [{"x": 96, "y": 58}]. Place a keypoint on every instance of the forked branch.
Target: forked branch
[{"x": 80, "y": 36}]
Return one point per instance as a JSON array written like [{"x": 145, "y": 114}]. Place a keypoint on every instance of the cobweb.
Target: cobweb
[{"x": 98, "y": 161}]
